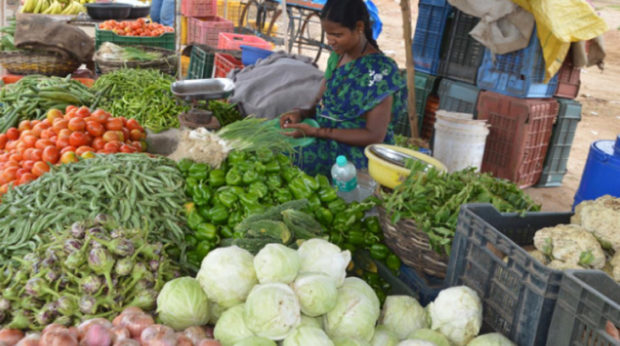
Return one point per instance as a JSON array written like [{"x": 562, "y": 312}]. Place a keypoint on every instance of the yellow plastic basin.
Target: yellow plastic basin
[{"x": 390, "y": 175}]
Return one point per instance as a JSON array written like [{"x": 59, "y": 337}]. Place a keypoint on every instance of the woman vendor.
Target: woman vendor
[{"x": 360, "y": 97}]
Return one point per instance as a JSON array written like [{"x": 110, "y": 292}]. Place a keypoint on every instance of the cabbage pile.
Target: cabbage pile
[{"x": 303, "y": 297}]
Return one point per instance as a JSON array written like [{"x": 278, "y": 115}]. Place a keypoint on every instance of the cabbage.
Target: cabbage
[
  {"x": 384, "y": 337},
  {"x": 317, "y": 293},
  {"x": 276, "y": 263},
  {"x": 356, "y": 311},
  {"x": 457, "y": 314},
  {"x": 321, "y": 256},
  {"x": 304, "y": 335},
  {"x": 410, "y": 342},
  {"x": 215, "y": 311},
  {"x": 182, "y": 303},
  {"x": 311, "y": 321},
  {"x": 227, "y": 275},
  {"x": 272, "y": 311},
  {"x": 255, "y": 341},
  {"x": 231, "y": 327},
  {"x": 344, "y": 341},
  {"x": 430, "y": 335},
  {"x": 493, "y": 339},
  {"x": 403, "y": 315}
]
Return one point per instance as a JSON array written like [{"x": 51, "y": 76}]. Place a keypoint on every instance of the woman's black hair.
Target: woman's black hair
[{"x": 347, "y": 13}]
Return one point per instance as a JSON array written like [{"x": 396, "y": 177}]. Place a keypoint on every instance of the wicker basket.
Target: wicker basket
[
  {"x": 49, "y": 63},
  {"x": 167, "y": 64},
  {"x": 412, "y": 245}
]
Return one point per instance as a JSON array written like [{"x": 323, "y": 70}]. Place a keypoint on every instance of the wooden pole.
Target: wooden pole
[{"x": 411, "y": 109}]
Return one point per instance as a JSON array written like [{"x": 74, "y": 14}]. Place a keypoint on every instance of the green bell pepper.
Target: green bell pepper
[
  {"x": 356, "y": 238},
  {"x": 260, "y": 168},
  {"x": 323, "y": 181},
  {"x": 199, "y": 171},
  {"x": 236, "y": 156},
  {"x": 372, "y": 224},
  {"x": 248, "y": 198},
  {"x": 393, "y": 262},
  {"x": 237, "y": 190},
  {"x": 310, "y": 182},
  {"x": 203, "y": 211},
  {"x": 371, "y": 239},
  {"x": 193, "y": 258},
  {"x": 218, "y": 214},
  {"x": 324, "y": 216},
  {"x": 259, "y": 188},
  {"x": 201, "y": 195},
  {"x": 233, "y": 177},
  {"x": 264, "y": 155},
  {"x": 314, "y": 202},
  {"x": 226, "y": 231},
  {"x": 255, "y": 208},
  {"x": 249, "y": 177},
  {"x": 274, "y": 181},
  {"x": 343, "y": 221},
  {"x": 189, "y": 185},
  {"x": 283, "y": 195},
  {"x": 217, "y": 178},
  {"x": 283, "y": 160},
  {"x": 243, "y": 167},
  {"x": 235, "y": 218},
  {"x": 379, "y": 251},
  {"x": 227, "y": 197},
  {"x": 336, "y": 238},
  {"x": 337, "y": 206},
  {"x": 206, "y": 231},
  {"x": 299, "y": 189},
  {"x": 328, "y": 194},
  {"x": 203, "y": 248},
  {"x": 348, "y": 246},
  {"x": 272, "y": 167},
  {"x": 184, "y": 165},
  {"x": 289, "y": 173},
  {"x": 194, "y": 219},
  {"x": 190, "y": 241}
]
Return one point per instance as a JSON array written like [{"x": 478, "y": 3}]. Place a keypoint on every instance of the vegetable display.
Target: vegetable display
[
  {"x": 433, "y": 199},
  {"x": 32, "y": 96},
  {"x": 137, "y": 27},
  {"x": 135, "y": 189},
  {"x": 224, "y": 112},
  {"x": 27, "y": 152},
  {"x": 140, "y": 94},
  {"x": 95, "y": 269},
  {"x": 7, "y": 40}
]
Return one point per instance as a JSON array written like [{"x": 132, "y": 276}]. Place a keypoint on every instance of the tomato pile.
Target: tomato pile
[
  {"x": 135, "y": 28},
  {"x": 27, "y": 151}
]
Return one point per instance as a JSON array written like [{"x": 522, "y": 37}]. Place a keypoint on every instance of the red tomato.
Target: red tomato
[
  {"x": 40, "y": 168},
  {"x": 17, "y": 157},
  {"x": 68, "y": 157},
  {"x": 37, "y": 154},
  {"x": 100, "y": 116},
  {"x": 28, "y": 164},
  {"x": 30, "y": 140},
  {"x": 83, "y": 149},
  {"x": 35, "y": 122},
  {"x": 125, "y": 148},
  {"x": 46, "y": 134},
  {"x": 24, "y": 125},
  {"x": 11, "y": 163},
  {"x": 132, "y": 124},
  {"x": 83, "y": 112},
  {"x": 110, "y": 136},
  {"x": 89, "y": 138},
  {"x": 95, "y": 128},
  {"x": 3, "y": 140},
  {"x": 42, "y": 143},
  {"x": 70, "y": 108},
  {"x": 8, "y": 174},
  {"x": 125, "y": 132},
  {"x": 78, "y": 139},
  {"x": 136, "y": 135},
  {"x": 26, "y": 178},
  {"x": 114, "y": 124},
  {"x": 98, "y": 143},
  {"x": 27, "y": 155},
  {"x": 51, "y": 154},
  {"x": 66, "y": 149},
  {"x": 11, "y": 145},
  {"x": 112, "y": 147},
  {"x": 60, "y": 124},
  {"x": 21, "y": 146},
  {"x": 65, "y": 133},
  {"x": 12, "y": 133},
  {"x": 38, "y": 129},
  {"x": 53, "y": 114},
  {"x": 76, "y": 124},
  {"x": 21, "y": 171},
  {"x": 62, "y": 142}
]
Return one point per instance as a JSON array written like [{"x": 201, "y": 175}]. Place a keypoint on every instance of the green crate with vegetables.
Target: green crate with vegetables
[{"x": 166, "y": 40}]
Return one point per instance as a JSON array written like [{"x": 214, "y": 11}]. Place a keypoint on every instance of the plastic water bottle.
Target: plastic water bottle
[{"x": 344, "y": 176}]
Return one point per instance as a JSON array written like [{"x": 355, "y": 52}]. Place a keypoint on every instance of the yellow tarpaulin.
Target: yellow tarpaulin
[{"x": 560, "y": 22}]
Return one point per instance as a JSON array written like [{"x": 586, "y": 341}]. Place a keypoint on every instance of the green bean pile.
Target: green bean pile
[
  {"x": 136, "y": 190},
  {"x": 143, "y": 95},
  {"x": 32, "y": 96}
]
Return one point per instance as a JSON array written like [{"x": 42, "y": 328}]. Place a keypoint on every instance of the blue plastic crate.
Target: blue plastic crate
[
  {"x": 457, "y": 97},
  {"x": 427, "y": 287},
  {"x": 519, "y": 74},
  {"x": 429, "y": 33}
]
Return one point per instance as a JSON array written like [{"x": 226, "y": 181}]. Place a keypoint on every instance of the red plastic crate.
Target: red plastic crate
[
  {"x": 428, "y": 124},
  {"x": 206, "y": 30},
  {"x": 199, "y": 8},
  {"x": 223, "y": 63},
  {"x": 519, "y": 135},
  {"x": 569, "y": 79},
  {"x": 235, "y": 41}
]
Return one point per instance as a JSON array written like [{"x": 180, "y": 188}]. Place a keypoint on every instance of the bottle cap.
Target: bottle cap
[{"x": 341, "y": 161}]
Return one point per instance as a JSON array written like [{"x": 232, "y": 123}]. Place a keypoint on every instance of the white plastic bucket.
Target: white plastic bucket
[{"x": 459, "y": 140}]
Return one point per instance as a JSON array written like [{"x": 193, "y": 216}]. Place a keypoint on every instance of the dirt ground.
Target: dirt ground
[{"x": 598, "y": 95}]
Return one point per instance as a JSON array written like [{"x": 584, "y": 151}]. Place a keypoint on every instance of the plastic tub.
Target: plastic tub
[
  {"x": 250, "y": 55},
  {"x": 600, "y": 175},
  {"x": 391, "y": 175},
  {"x": 459, "y": 142}
]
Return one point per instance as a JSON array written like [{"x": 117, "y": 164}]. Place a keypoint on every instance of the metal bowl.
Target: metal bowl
[
  {"x": 105, "y": 11},
  {"x": 139, "y": 12},
  {"x": 203, "y": 89}
]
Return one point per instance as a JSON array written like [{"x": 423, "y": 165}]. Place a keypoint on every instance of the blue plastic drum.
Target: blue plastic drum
[{"x": 601, "y": 175}]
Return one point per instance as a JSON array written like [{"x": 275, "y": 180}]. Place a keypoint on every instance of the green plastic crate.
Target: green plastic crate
[
  {"x": 202, "y": 59},
  {"x": 166, "y": 40},
  {"x": 424, "y": 86}
]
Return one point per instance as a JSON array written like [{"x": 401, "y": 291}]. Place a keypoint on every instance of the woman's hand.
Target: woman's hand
[
  {"x": 290, "y": 117},
  {"x": 302, "y": 130}
]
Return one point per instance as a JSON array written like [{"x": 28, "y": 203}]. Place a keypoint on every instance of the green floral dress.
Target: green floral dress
[{"x": 351, "y": 91}]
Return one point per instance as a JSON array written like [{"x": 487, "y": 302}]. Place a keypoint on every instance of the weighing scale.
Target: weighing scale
[{"x": 194, "y": 90}]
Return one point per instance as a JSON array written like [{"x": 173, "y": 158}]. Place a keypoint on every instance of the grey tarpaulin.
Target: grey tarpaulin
[
  {"x": 275, "y": 85},
  {"x": 504, "y": 27}
]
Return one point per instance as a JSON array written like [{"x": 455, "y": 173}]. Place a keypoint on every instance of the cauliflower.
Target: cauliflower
[
  {"x": 615, "y": 264},
  {"x": 539, "y": 256},
  {"x": 602, "y": 218},
  {"x": 570, "y": 244}
]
